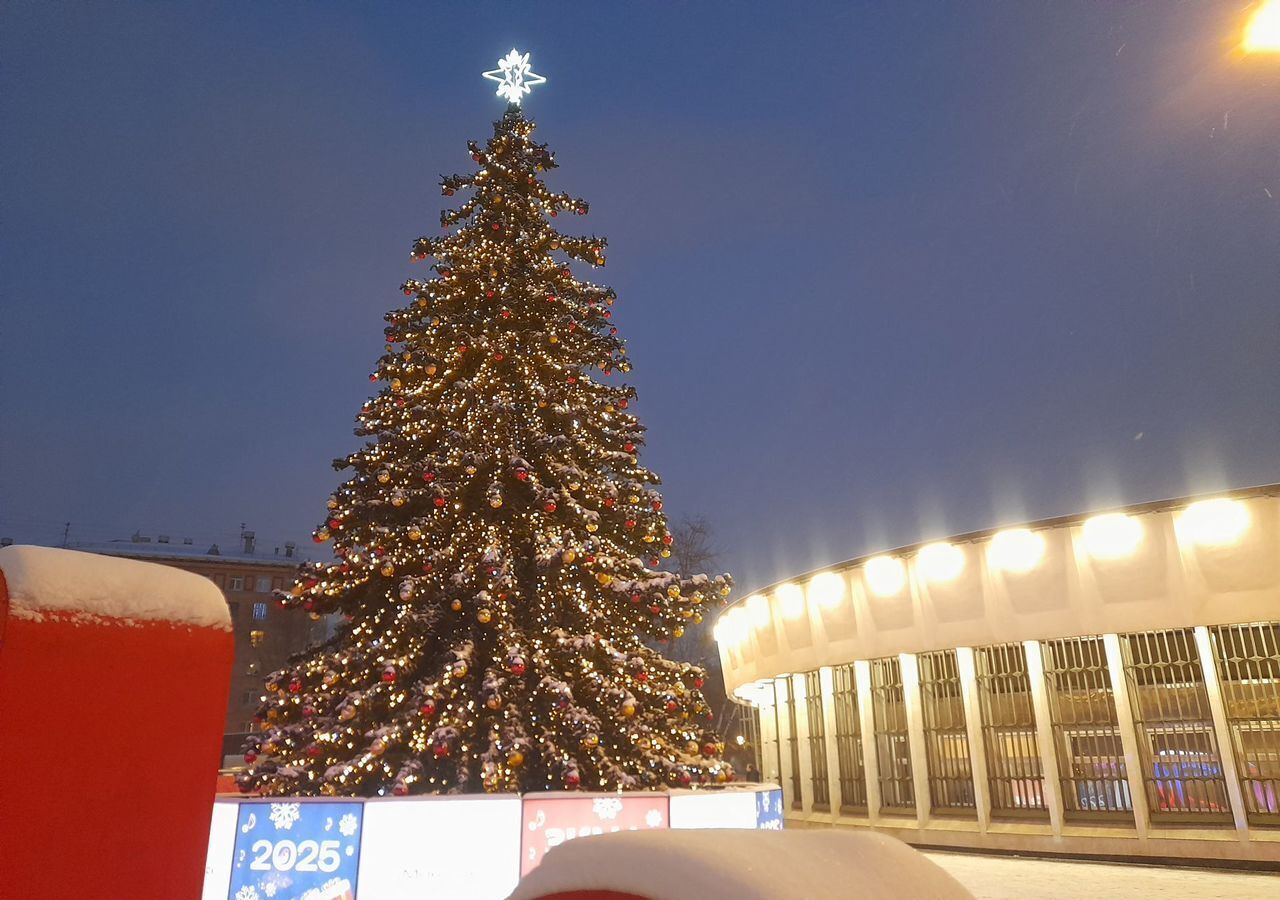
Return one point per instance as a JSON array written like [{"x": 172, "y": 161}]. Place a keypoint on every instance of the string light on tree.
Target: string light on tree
[
  {"x": 515, "y": 76},
  {"x": 496, "y": 544}
]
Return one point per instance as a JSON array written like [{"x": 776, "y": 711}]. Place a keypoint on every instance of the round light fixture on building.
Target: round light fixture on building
[
  {"x": 1262, "y": 34},
  {"x": 1112, "y": 536},
  {"x": 1213, "y": 523},
  {"x": 1016, "y": 550},
  {"x": 790, "y": 601},
  {"x": 940, "y": 561},
  {"x": 758, "y": 611},
  {"x": 826, "y": 590},
  {"x": 886, "y": 575}
]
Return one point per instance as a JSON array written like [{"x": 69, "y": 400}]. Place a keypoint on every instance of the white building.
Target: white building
[{"x": 1103, "y": 685}]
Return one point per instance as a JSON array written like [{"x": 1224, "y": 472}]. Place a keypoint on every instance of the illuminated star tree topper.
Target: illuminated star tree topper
[{"x": 515, "y": 76}]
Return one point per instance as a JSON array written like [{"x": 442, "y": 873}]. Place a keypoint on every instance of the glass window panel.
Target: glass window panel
[
  {"x": 892, "y": 749},
  {"x": 1015, "y": 772},
  {"x": 1248, "y": 658},
  {"x": 1086, "y": 732},
  {"x": 817, "y": 742},
  {"x": 1182, "y": 771},
  {"x": 946, "y": 739},
  {"x": 853, "y": 780}
]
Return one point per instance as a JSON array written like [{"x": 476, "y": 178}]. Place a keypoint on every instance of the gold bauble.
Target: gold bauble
[
  {"x": 395, "y": 384},
  {"x": 484, "y": 616},
  {"x": 590, "y": 740},
  {"x": 388, "y": 570},
  {"x": 332, "y": 504},
  {"x": 592, "y": 527},
  {"x": 673, "y": 591},
  {"x": 494, "y": 702},
  {"x": 568, "y": 556},
  {"x": 415, "y": 534},
  {"x": 665, "y": 554},
  {"x": 495, "y": 502},
  {"x": 604, "y": 578},
  {"x": 678, "y": 631},
  {"x": 515, "y": 759},
  {"x": 456, "y": 606}
]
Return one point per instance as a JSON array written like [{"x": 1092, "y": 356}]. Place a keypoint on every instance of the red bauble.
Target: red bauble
[
  {"x": 400, "y": 790},
  {"x": 428, "y": 707},
  {"x": 655, "y": 609},
  {"x": 551, "y": 506},
  {"x": 609, "y": 501},
  {"x": 497, "y": 226},
  {"x": 657, "y": 505},
  {"x": 448, "y": 192},
  {"x": 622, "y": 404},
  {"x": 498, "y": 357},
  {"x": 708, "y": 749},
  {"x": 506, "y": 314},
  {"x": 631, "y": 523},
  {"x": 667, "y": 539},
  {"x": 250, "y": 757},
  {"x": 426, "y": 567},
  {"x": 389, "y": 676},
  {"x": 573, "y": 779},
  {"x": 522, "y": 475},
  {"x": 308, "y": 711},
  {"x": 428, "y": 476},
  {"x": 642, "y": 675},
  {"x": 407, "y": 292},
  {"x": 314, "y": 750},
  {"x": 440, "y": 501},
  {"x": 335, "y": 523},
  {"x": 488, "y": 293},
  {"x": 517, "y": 668},
  {"x": 636, "y": 598},
  {"x": 698, "y": 682},
  {"x": 295, "y": 686},
  {"x": 672, "y": 706},
  {"x": 440, "y": 750}
]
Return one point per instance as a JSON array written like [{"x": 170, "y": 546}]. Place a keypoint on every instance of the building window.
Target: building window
[
  {"x": 1248, "y": 658},
  {"x": 235, "y": 583},
  {"x": 277, "y": 583},
  {"x": 1182, "y": 770},
  {"x": 1014, "y": 771},
  {"x": 946, "y": 739},
  {"x": 853, "y": 780},
  {"x": 259, "y": 611},
  {"x": 817, "y": 742},
  {"x": 793, "y": 742},
  {"x": 264, "y": 584},
  {"x": 249, "y": 697},
  {"x": 893, "y": 755},
  {"x": 1086, "y": 732}
]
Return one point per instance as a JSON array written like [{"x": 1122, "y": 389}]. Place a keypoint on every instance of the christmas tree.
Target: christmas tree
[{"x": 497, "y": 546}]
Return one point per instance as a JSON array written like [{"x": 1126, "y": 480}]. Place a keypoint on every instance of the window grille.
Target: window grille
[
  {"x": 793, "y": 744},
  {"x": 259, "y": 611},
  {"x": 819, "y": 777},
  {"x": 1015, "y": 772},
  {"x": 893, "y": 754},
  {"x": 1248, "y": 658},
  {"x": 853, "y": 780},
  {"x": 1086, "y": 732},
  {"x": 946, "y": 739},
  {"x": 1181, "y": 767}
]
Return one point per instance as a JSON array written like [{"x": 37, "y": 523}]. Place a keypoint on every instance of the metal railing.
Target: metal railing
[
  {"x": 1248, "y": 660},
  {"x": 1182, "y": 770},
  {"x": 853, "y": 776},
  {"x": 1015, "y": 772},
  {"x": 888, "y": 708},
  {"x": 1086, "y": 730},
  {"x": 946, "y": 737},
  {"x": 819, "y": 779}
]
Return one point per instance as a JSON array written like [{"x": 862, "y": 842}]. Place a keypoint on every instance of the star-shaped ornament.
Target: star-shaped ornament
[{"x": 515, "y": 76}]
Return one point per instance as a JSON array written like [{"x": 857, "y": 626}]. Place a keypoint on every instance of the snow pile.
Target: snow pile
[
  {"x": 46, "y": 580},
  {"x": 745, "y": 865}
]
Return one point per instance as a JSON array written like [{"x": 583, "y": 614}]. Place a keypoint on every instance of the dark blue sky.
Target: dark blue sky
[{"x": 887, "y": 271}]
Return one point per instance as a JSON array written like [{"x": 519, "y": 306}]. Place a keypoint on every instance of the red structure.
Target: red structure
[{"x": 107, "y": 665}]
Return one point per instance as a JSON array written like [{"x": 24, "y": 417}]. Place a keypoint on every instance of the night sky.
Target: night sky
[{"x": 887, "y": 271}]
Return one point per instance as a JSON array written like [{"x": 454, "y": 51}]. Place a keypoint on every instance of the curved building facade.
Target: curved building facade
[{"x": 1104, "y": 684}]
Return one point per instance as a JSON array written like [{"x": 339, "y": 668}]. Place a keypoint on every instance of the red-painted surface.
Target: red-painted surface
[{"x": 108, "y": 733}]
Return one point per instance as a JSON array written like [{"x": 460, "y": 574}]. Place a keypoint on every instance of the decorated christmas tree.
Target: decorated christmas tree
[{"x": 497, "y": 547}]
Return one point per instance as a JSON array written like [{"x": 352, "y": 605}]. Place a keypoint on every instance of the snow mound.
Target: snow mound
[
  {"x": 44, "y": 580},
  {"x": 744, "y": 865}
]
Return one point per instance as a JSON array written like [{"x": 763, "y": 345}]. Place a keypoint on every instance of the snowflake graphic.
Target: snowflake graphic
[
  {"x": 248, "y": 892},
  {"x": 347, "y": 825},
  {"x": 606, "y": 808},
  {"x": 653, "y": 818},
  {"x": 270, "y": 889},
  {"x": 283, "y": 815}
]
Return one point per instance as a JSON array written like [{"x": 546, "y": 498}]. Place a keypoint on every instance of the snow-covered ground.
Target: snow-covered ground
[{"x": 1010, "y": 878}]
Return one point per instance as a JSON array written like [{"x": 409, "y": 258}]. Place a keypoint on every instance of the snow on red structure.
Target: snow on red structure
[
  {"x": 113, "y": 682},
  {"x": 745, "y": 865}
]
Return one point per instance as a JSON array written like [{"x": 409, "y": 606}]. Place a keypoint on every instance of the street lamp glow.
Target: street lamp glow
[
  {"x": 1112, "y": 536},
  {"x": 886, "y": 575},
  {"x": 940, "y": 561},
  {"x": 1262, "y": 34},
  {"x": 1213, "y": 523},
  {"x": 826, "y": 590},
  {"x": 1016, "y": 550},
  {"x": 790, "y": 601},
  {"x": 758, "y": 611}
]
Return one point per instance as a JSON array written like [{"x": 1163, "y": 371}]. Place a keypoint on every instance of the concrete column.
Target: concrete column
[
  {"x": 770, "y": 767},
  {"x": 827, "y": 680},
  {"x": 1129, "y": 738},
  {"x": 867, "y": 726},
  {"x": 915, "y": 736},
  {"x": 1222, "y": 731},
  {"x": 784, "y": 734},
  {"x": 973, "y": 727},
  {"x": 802, "y": 743},
  {"x": 1044, "y": 734}
]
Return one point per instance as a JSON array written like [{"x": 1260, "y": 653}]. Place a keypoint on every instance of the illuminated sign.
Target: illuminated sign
[
  {"x": 769, "y": 810},
  {"x": 463, "y": 847},
  {"x": 222, "y": 842},
  {"x": 713, "y": 809},
  {"x": 296, "y": 851},
  {"x": 552, "y": 819}
]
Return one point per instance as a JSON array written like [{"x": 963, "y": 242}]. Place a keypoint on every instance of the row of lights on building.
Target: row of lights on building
[{"x": 1110, "y": 536}]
